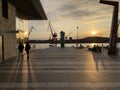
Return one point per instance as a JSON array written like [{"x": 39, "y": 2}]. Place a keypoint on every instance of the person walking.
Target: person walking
[
  {"x": 27, "y": 49},
  {"x": 20, "y": 48}
]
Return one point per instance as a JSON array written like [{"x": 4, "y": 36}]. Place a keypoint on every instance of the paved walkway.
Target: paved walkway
[{"x": 61, "y": 69}]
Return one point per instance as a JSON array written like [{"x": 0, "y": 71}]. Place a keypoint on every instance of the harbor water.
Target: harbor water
[{"x": 44, "y": 46}]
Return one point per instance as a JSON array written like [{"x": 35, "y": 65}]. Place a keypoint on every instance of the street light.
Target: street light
[{"x": 77, "y": 37}]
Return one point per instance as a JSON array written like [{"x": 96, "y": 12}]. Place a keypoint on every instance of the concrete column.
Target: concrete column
[{"x": 114, "y": 27}]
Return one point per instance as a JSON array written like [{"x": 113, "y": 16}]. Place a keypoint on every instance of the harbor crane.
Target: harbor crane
[
  {"x": 31, "y": 31},
  {"x": 52, "y": 39},
  {"x": 68, "y": 35}
]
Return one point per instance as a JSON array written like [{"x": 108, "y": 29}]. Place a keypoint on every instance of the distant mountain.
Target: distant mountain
[
  {"x": 39, "y": 41},
  {"x": 95, "y": 39}
]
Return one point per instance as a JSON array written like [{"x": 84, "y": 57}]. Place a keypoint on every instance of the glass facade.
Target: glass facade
[{"x": 22, "y": 27}]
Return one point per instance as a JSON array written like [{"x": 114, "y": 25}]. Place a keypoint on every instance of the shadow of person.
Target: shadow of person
[
  {"x": 20, "y": 57},
  {"x": 99, "y": 63},
  {"x": 31, "y": 75},
  {"x": 15, "y": 74},
  {"x": 96, "y": 63},
  {"x": 20, "y": 74},
  {"x": 23, "y": 73},
  {"x": 99, "y": 60}
]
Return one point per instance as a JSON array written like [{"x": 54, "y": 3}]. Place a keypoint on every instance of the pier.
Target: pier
[{"x": 58, "y": 68}]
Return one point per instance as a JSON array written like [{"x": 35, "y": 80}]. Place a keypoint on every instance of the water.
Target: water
[{"x": 44, "y": 46}]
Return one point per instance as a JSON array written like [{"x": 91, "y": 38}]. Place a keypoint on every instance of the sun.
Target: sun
[
  {"x": 93, "y": 32},
  {"x": 25, "y": 33}
]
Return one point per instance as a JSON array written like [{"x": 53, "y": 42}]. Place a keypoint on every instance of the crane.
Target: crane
[
  {"x": 52, "y": 39},
  {"x": 31, "y": 30},
  {"x": 68, "y": 35}
]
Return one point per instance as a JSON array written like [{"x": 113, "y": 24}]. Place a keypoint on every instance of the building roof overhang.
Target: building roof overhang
[{"x": 32, "y": 9}]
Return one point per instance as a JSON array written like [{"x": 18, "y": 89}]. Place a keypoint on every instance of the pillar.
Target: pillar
[{"x": 114, "y": 27}]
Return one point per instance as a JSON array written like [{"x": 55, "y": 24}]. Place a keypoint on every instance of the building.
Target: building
[{"x": 13, "y": 18}]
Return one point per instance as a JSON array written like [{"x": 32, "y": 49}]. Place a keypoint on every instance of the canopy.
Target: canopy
[{"x": 32, "y": 9}]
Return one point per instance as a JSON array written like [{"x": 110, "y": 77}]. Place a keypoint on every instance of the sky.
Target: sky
[{"x": 67, "y": 15}]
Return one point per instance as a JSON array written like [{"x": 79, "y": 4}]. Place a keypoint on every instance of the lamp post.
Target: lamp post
[{"x": 77, "y": 37}]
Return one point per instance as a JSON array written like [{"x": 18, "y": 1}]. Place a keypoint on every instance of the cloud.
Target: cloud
[
  {"x": 88, "y": 14},
  {"x": 67, "y": 8},
  {"x": 75, "y": 8},
  {"x": 78, "y": 9}
]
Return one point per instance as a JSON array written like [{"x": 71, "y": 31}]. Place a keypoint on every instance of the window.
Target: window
[{"x": 5, "y": 8}]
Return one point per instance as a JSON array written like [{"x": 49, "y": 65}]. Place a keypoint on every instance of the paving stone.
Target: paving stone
[{"x": 61, "y": 69}]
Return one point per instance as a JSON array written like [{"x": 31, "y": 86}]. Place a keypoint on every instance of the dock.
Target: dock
[{"x": 58, "y": 68}]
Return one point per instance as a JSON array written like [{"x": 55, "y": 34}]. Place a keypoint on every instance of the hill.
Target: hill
[{"x": 83, "y": 40}]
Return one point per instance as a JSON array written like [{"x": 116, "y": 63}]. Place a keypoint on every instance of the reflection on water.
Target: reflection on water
[
  {"x": 93, "y": 44},
  {"x": 44, "y": 46}
]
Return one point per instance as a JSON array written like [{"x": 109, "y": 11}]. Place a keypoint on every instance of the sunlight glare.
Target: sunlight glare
[
  {"x": 92, "y": 44},
  {"x": 25, "y": 33},
  {"x": 93, "y": 32}
]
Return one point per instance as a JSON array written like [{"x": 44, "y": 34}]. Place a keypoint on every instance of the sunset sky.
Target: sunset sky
[{"x": 65, "y": 15}]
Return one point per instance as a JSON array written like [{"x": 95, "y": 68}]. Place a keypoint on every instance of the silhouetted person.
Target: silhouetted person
[
  {"x": 20, "y": 48},
  {"x": 27, "y": 49}
]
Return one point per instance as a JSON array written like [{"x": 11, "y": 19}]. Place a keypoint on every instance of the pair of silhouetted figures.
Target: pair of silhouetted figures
[{"x": 21, "y": 48}]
